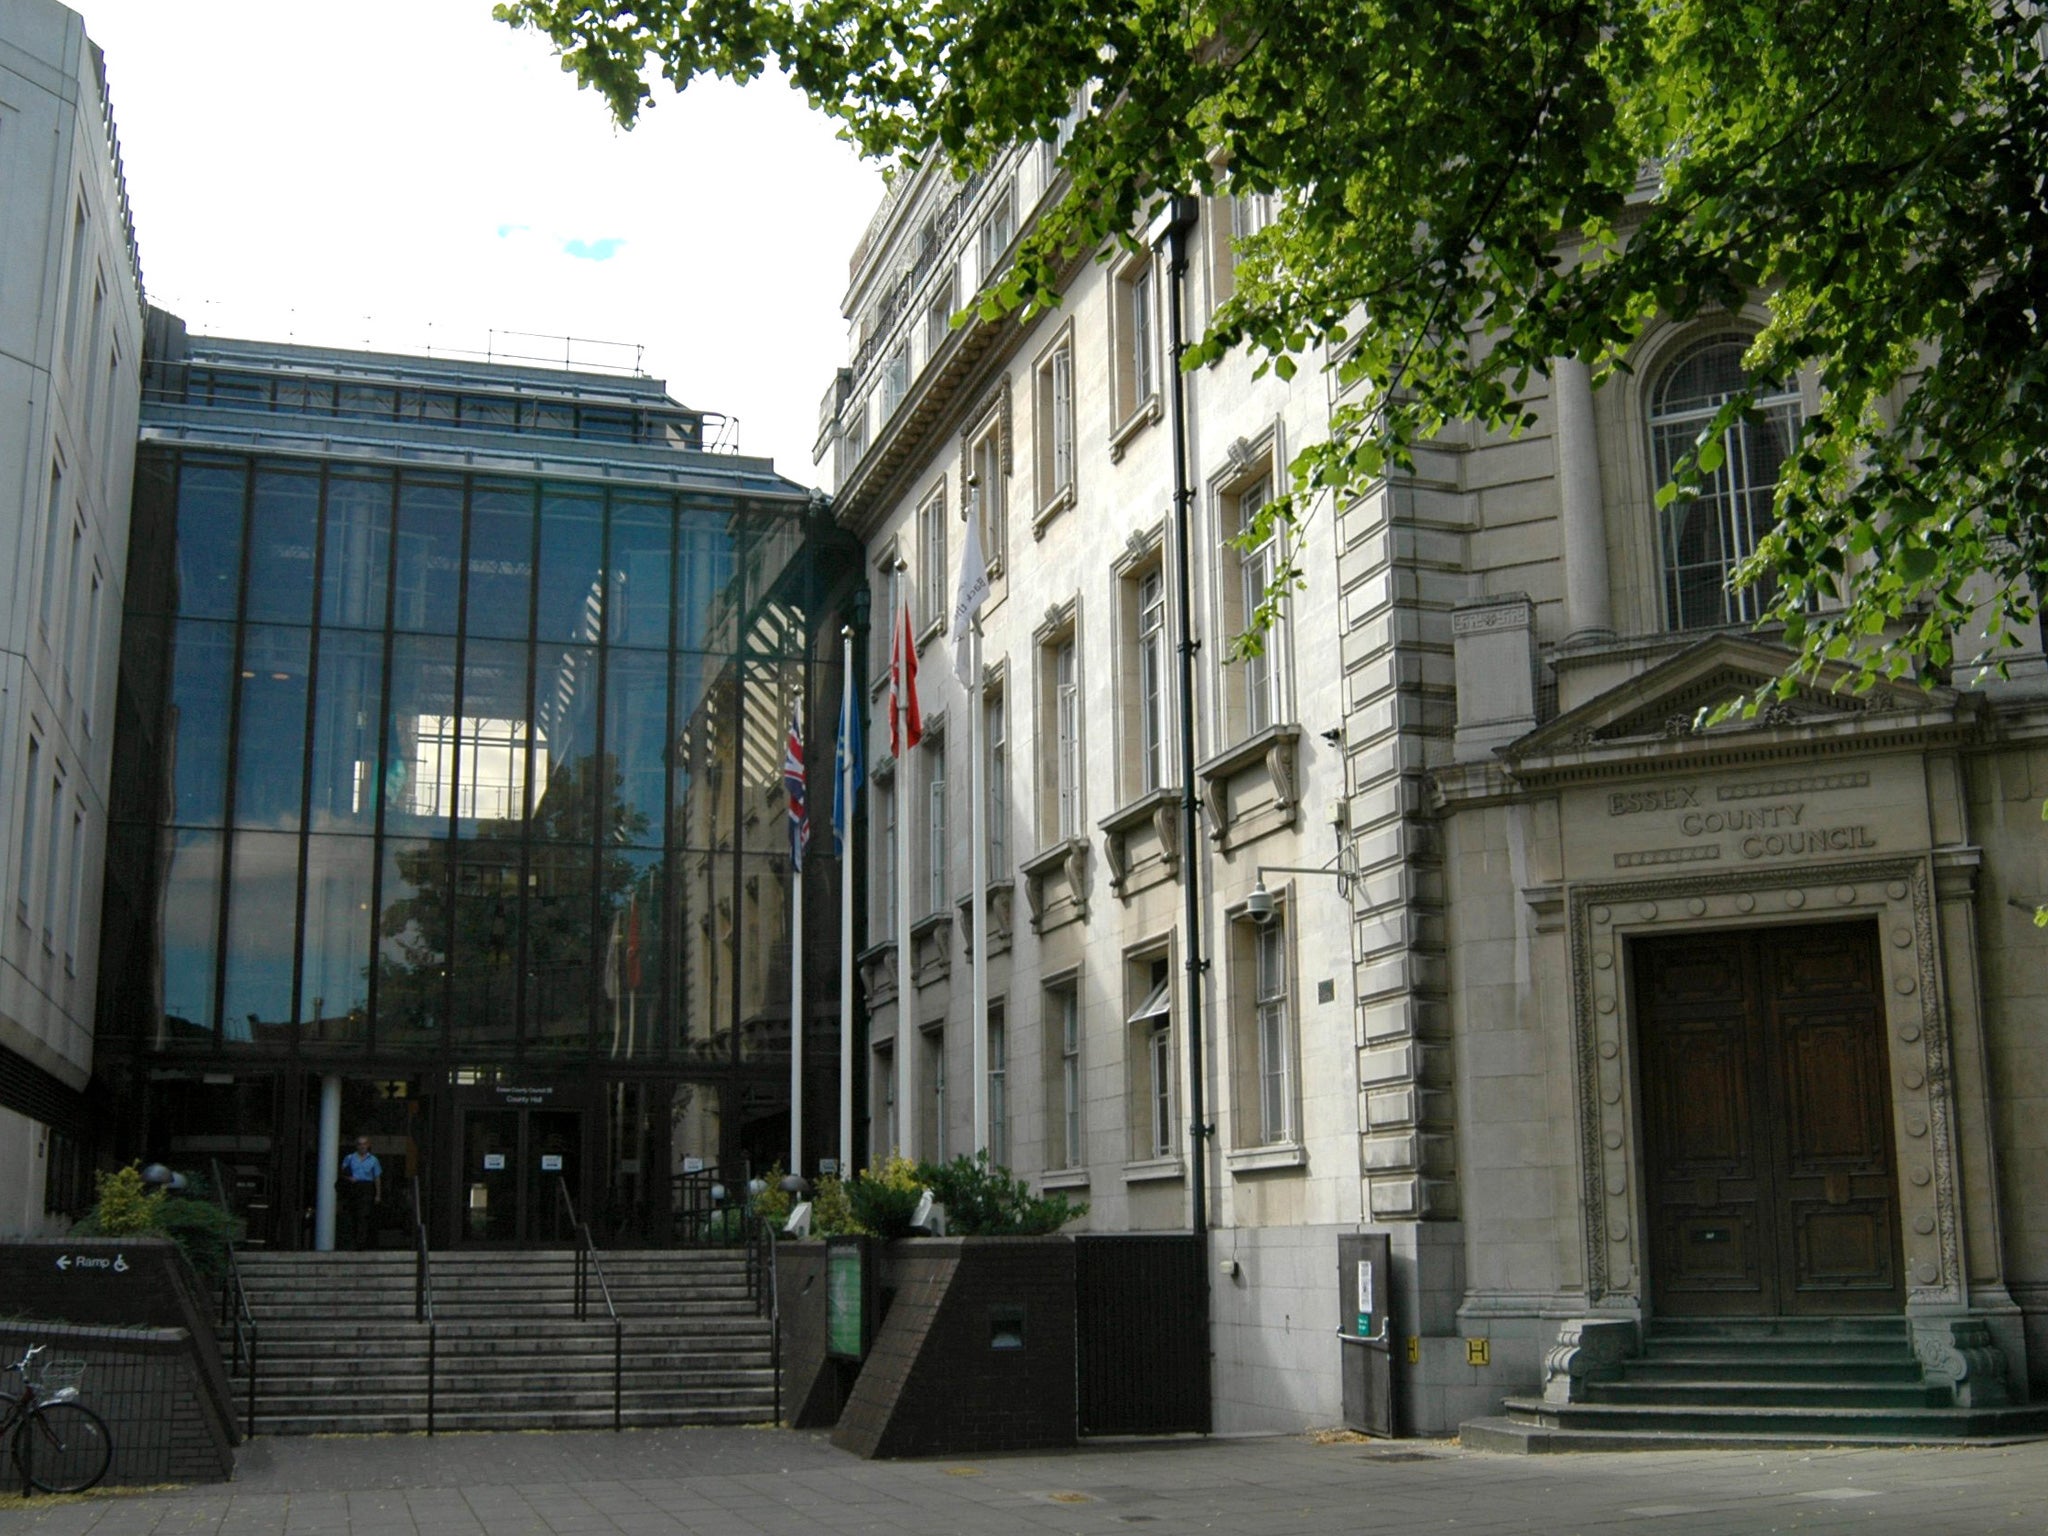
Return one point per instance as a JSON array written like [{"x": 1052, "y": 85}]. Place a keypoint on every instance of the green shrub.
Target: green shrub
[
  {"x": 127, "y": 1207},
  {"x": 772, "y": 1204},
  {"x": 200, "y": 1227},
  {"x": 984, "y": 1200},
  {"x": 831, "y": 1211},
  {"x": 883, "y": 1201}
]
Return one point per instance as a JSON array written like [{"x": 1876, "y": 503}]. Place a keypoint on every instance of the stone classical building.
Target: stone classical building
[
  {"x": 70, "y": 372},
  {"x": 1613, "y": 1014}
]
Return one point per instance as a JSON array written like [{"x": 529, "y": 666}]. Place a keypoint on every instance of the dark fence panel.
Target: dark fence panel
[{"x": 1142, "y": 1325}]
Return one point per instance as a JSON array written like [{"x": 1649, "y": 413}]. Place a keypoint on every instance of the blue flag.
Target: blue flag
[{"x": 848, "y": 751}]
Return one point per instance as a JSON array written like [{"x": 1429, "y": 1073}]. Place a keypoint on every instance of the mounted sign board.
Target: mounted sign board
[
  {"x": 551, "y": 1162},
  {"x": 494, "y": 1162},
  {"x": 849, "y": 1297}
]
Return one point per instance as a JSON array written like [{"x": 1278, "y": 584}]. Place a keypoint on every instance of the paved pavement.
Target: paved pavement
[{"x": 756, "y": 1482}]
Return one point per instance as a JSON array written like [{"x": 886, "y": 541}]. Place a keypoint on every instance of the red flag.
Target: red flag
[{"x": 906, "y": 720}]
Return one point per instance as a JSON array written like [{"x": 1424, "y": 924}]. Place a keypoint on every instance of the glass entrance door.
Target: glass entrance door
[{"x": 512, "y": 1163}]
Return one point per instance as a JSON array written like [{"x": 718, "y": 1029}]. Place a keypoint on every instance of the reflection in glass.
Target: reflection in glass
[
  {"x": 704, "y": 566},
  {"x": 412, "y": 942},
  {"x": 358, "y": 555},
  {"x": 418, "y": 754},
  {"x": 636, "y": 736},
  {"x": 263, "y": 881},
  {"x": 187, "y": 925},
  {"x": 334, "y": 988},
  {"x": 485, "y": 958},
  {"x": 202, "y": 683},
  {"x": 270, "y": 759},
  {"x": 565, "y": 717},
  {"x": 500, "y": 560},
  {"x": 629, "y": 1025},
  {"x": 209, "y": 538},
  {"x": 429, "y": 556},
  {"x": 283, "y": 530},
  {"x": 571, "y": 564},
  {"x": 484, "y": 756},
  {"x": 764, "y": 957},
  {"x": 636, "y": 604},
  {"x": 347, "y": 696},
  {"x": 558, "y": 948}
]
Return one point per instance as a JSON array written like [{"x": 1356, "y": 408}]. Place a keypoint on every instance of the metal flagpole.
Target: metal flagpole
[
  {"x": 977, "y": 864},
  {"x": 796, "y": 1016},
  {"x": 906, "y": 991},
  {"x": 849, "y": 722}
]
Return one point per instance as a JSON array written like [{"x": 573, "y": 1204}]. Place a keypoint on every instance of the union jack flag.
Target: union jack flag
[{"x": 793, "y": 782}]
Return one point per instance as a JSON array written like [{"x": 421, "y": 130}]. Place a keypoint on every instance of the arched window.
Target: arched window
[{"x": 1705, "y": 536}]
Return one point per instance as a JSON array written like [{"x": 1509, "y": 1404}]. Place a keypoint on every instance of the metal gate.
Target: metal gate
[{"x": 1142, "y": 1324}]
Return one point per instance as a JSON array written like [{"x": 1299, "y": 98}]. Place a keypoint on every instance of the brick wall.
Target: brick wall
[
  {"x": 814, "y": 1384},
  {"x": 976, "y": 1353},
  {"x": 149, "y": 1386}
]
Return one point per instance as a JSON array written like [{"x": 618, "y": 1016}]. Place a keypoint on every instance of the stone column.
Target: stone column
[
  {"x": 1588, "y": 611},
  {"x": 329, "y": 1163}
]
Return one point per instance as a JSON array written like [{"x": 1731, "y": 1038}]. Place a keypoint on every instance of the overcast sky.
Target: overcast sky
[{"x": 407, "y": 174}]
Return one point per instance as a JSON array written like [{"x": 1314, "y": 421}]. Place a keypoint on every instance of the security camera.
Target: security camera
[{"x": 1259, "y": 905}]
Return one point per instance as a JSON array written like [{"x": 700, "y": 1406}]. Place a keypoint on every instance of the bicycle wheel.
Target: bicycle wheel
[{"x": 63, "y": 1448}]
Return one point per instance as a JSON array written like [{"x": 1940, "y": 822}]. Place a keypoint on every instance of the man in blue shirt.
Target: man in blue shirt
[{"x": 362, "y": 1184}]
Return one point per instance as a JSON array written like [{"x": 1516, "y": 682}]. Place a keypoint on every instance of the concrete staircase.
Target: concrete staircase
[
  {"x": 1771, "y": 1382},
  {"x": 340, "y": 1352}
]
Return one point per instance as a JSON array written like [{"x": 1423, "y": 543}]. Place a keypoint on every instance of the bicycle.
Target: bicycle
[{"x": 60, "y": 1445}]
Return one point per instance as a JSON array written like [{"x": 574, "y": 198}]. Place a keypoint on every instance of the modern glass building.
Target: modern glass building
[{"x": 448, "y": 788}]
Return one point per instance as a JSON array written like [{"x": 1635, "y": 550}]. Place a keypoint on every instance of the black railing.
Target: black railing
[
  {"x": 423, "y": 1296},
  {"x": 235, "y": 1315},
  {"x": 707, "y": 1208},
  {"x": 764, "y": 1287},
  {"x": 588, "y": 1265}
]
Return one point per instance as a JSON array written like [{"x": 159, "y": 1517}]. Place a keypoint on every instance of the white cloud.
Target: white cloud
[{"x": 410, "y": 174}]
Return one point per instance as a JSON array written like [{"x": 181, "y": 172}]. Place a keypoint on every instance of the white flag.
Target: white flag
[{"x": 973, "y": 592}]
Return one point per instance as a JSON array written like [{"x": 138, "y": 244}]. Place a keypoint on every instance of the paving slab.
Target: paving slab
[{"x": 761, "y": 1482}]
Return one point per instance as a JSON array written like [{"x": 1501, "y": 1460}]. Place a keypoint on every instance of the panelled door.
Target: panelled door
[{"x": 1770, "y": 1179}]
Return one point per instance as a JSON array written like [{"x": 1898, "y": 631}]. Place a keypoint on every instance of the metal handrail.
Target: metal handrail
[
  {"x": 774, "y": 1288},
  {"x": 423, "y": 1296},
  {"x": 587, "y": 1264},
  {"x": 239, "y": 1315}
]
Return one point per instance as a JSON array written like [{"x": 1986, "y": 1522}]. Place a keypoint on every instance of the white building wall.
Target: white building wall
[{"x": 70, "y": 372}]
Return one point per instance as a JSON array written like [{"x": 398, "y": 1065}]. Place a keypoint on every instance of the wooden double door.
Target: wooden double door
[{"x": 1770, "y": 1178}]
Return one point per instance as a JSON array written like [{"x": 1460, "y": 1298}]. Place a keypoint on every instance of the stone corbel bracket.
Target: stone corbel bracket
[{"x": 1963, "y": 1353}]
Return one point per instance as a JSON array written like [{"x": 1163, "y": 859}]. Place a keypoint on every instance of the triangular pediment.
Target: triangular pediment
[{"x": 1671, "y": 700}]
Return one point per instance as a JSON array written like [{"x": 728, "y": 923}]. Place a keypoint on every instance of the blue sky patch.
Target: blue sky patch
[{"x": 594, "y": 250}]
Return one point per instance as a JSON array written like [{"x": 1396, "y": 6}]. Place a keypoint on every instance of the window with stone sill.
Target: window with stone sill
[
  {"x": 1134, "y": 346},
  {"x": 998, "y": 1087},
  {"x": 1144, "y": 723},
  {"x": 882, "y": 913},
  {"x": 1060, "y": 1046},
  {"x": 883, "y": 1096},
  {"x": 1053, "y": 425},
  {"x": 998, "y": 230},
  {"x": 938, "y": 316},
  {"x": 1264, "y": 1050},
  {"x": 1703, "y": 537},
  {"x": 1252, "y": 689},
  {"x": 1150, "y": 1048},
  {"x": 931, "y": 563},
  {"x": 1230, "y": 218},
  {"x": 1058, "y": 758},
  {"x": 988, "y": 494},
  {"x": 995, "y": 739},
  {"x": 933, "y": 1108},
  {"x": 936, "y": 853},
  {"x": 895, "y": 379}
]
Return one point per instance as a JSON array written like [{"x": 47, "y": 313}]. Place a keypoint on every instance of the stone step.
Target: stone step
[
  {"x": 1777, "y": 1329},
  {"x": 404, "y": 1393},
  {"x": 1517, "y": 1437},
  {"x": 1806, "y": 1424},
  {"x": 1838, "y": 1366},
  {"x": 372, "y": 1335},
  {"x": 1771, "y": 1394},
  {"x": 385, "y": 1422}
]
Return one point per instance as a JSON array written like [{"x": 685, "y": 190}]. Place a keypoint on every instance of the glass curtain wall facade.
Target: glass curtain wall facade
[{"x": 462, "y": 785}]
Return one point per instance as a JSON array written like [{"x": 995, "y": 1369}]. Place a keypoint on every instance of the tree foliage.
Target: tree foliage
[{"x": 1474, "y": 187}]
